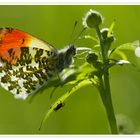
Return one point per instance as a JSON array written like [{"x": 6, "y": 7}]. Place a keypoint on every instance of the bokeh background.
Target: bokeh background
[{"x": 83, "y": 112}]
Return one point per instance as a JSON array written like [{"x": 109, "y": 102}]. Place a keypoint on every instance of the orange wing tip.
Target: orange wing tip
[{"x": 11, "y": 40}]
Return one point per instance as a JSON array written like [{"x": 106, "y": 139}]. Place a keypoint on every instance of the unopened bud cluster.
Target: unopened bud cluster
[
  {"x": 92, "y": 19},
  {"x": 92, "y": 58},
  {"x": 106, "y": 38}
]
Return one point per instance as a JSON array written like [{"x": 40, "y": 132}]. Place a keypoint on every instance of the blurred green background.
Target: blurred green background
[{"x": 83, "y": 112}]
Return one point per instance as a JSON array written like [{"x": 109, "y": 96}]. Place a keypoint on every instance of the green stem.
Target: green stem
[
  {"x": 109, "y": 105},
  {"x": 101, "y": 44},
  {"x": 104, "y": 89}
]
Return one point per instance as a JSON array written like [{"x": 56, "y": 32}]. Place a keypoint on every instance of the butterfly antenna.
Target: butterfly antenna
[
  {"x": 74, "y": 27},
  {"x": 78, "y": 35}
]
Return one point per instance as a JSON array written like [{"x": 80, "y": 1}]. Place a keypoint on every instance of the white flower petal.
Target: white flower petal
[{"x": 137, "y": 51}]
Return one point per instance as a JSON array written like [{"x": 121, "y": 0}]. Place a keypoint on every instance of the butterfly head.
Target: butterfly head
[
  {"x": 66, "y": 57},
  {"x": 71, "y": 50}
]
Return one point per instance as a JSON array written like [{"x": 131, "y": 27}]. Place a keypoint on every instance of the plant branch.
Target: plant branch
[
  {"x": 104, "y": 90},
  {"x": 101, "y": 43},
  {"x": 109, "y": 105}
]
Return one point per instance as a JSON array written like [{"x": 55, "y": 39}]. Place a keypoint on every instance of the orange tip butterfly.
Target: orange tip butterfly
[{"x": 27, "y": 63}]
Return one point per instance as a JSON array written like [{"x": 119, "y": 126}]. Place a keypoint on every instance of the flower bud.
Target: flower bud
[
  {"x": 92, "y": 19},
  {"x": 104, "y": 33},
  {"x": 91, "y": 57}
]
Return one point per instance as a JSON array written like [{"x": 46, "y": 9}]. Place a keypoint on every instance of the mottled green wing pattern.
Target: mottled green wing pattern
[
  {"x": 27, "y": 63},
  {"x": 32, "y": 71}
]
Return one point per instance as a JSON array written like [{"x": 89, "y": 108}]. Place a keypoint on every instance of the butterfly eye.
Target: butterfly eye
[{"x": 72, "y": 50}]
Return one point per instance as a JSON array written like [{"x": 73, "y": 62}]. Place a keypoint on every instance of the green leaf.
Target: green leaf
[
  {"x": 83, "y": 49},
  {"x": 111, "y": 28},
  {"x": 120, "y": 49},
  {"x": 89, "y": 37},
  {"x": 121, "y": 54},
  {"x": 128, "y": 47},
  {"x": 60, "y": 102},
  {"x": 72, "y": 76},
  {"x": 116, "y": 62},
  {"x": 121, "y": 62}
]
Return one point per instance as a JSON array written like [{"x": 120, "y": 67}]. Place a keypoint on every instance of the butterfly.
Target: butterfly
[{"x": 27, "y": 63}]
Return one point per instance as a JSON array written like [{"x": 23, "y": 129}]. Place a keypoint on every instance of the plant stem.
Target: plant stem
[
  {"x": 104, "y": 89},
  {"x": 101, "y": 44},
  {"x": 109, "y": 105}
]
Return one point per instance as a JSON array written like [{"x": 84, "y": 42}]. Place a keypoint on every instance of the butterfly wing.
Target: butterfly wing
[{"x": 26, "y": 63}]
